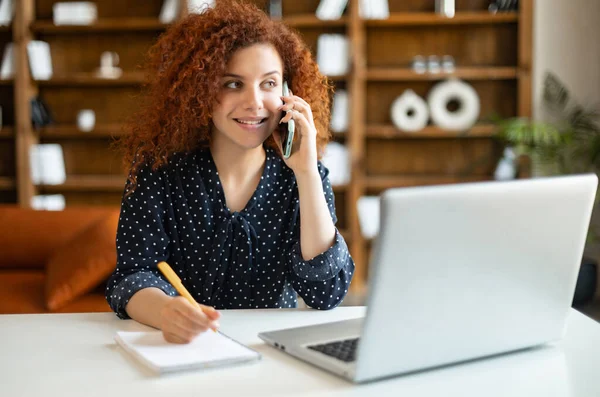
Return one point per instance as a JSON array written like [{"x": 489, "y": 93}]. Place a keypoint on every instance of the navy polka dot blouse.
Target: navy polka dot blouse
[{"x": 229, "y": 260}]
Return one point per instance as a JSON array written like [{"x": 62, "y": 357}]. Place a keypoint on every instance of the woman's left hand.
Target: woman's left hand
[{"x": 304, "y": 150}]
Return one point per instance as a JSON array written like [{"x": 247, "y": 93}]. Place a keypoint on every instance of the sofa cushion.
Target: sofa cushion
[
  {"x": 28, "y": 237},
  {"x": 82, "y": 264},
  {"x": 22, "y": 291}
]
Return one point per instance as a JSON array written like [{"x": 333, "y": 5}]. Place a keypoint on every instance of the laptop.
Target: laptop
[{"x": 458, "y": 272}]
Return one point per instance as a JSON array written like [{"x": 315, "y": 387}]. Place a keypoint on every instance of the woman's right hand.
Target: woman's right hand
[{"x": 181, "y": 322}]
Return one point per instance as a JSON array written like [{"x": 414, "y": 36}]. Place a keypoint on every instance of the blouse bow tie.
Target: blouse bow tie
[{"x": 232, "y": 256}]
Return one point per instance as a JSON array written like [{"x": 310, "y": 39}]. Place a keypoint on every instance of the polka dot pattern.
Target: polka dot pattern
[{"x": 226, "y": 259}]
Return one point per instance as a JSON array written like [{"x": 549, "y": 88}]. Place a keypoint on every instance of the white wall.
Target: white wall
[{"x": 566, "y": 36}]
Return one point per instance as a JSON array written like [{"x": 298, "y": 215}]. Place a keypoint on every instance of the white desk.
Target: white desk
[{"x": 75, "y": 355}]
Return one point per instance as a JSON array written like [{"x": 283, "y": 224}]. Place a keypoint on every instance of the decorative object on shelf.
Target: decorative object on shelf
[
  {"x": 419, "y": 64},
  {"x": 40, "y": 60},
  {"x": 337, "y": 161},
  {"x": 503, "y": 6},
  {"x": 433, "y": 64},
  {"x": 331, "y": 9},
  {"x": 108, "y": 66},
  {"x": 48, "y": 202},
  {"x": 74, "y": 13},
  {"x": 448, "y": 64},
  {"x": 340, "y": 111},
  {"x": 169, "y": 11},
  {"x": 276, "y": 9},
  {"x": 86, "y": 120},
  {"x": 7, "y": 12},
  {"x": 409, "y": 112},
  {"x": 374, "y": 9},
  {"x": 445, "y": 8},
  {"x": 40, "y": 114},
  {"x": 506, "y": 168},
  {"x": 368, "y": 216},
  {"x": 333, "y": 54},
  {"x": 198, "y": 6},
  {"x": 47, "y": 164},
  {"x": 454, "y": 90},
  {"x": 7, "y": 71}
]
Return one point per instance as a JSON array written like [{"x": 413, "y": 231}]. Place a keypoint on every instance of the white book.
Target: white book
[
  {"x": 48, "y": 202},
  {"x": 35, "y": 166},
  {"x": 169, "y": 11},
  {"x": 40, "y": 60},
  {"x": 368, "y": 215},
  {"x": 53, "y": 164},
  {"x": 331, "y": 9},
  {"x": 7, "y": 12},
  {"x": 340, "y": 111},
  {"x": 74, "y": 13},
  {"x": 198, "y": 6},
  {"x": 47, "y": 165},
  {"x": 209, "y": 349},
  {"x": 333, "y": 54},
  {"x": 374, "y": 9},
  {"x": 7, "y": 71}
]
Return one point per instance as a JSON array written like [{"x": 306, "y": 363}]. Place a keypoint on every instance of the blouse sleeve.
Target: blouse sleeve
[
  {"x": 141, "y": 241},
  {"x": 322, "y": 281}
]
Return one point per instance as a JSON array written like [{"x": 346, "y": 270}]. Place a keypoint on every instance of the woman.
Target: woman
[{"x": 209, "y": 191}]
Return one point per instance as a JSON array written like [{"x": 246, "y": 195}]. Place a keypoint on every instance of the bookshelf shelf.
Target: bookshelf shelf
[
  {"x": 7, "y": 183},
  {"x": 387, "y": 182},
  {"x": 87, "y": 183},
  {"x": 466, "y": 73},
  {"x": 89, "y": 79},
  {"x": 311, "y": 21},
  {"x": 386, "y": 131},
  {"x": 430, "y": 18},
  {"x": 101, "y": 131},
  {"x": 102, "y": 25},
  {"x": 7, "y": 132}
]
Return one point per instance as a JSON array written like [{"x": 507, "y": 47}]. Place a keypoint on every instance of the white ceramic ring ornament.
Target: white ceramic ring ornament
[
  {"x": 468, "y": 105},
  {"x": 409, "y": 112}
]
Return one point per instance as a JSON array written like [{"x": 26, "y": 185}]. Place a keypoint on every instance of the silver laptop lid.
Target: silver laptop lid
[{"x": 463, "y": 271}]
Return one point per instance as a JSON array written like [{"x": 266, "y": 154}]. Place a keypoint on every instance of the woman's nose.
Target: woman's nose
[{"x": 253, "y": 98}]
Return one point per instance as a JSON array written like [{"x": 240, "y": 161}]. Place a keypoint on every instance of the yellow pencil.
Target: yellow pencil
[{"x": 178, "y": 285}]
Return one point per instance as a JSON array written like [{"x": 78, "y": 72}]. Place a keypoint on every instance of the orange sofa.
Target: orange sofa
[{"x": 56, "y": 261}]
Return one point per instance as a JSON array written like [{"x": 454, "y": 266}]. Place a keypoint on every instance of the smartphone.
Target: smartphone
[{"x": 287, "y": 133}]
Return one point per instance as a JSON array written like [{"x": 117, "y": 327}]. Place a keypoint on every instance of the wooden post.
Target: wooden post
[{"x": 24, "y": 91}]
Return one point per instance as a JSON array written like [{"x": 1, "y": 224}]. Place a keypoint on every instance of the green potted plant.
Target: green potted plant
[{"x": 568, "y": 142}]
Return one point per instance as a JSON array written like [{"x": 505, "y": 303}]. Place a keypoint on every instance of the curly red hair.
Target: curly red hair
[{"x": 183, "y": 71}]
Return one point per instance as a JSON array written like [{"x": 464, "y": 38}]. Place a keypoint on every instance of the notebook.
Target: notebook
[{"x": 208, "y": 350}]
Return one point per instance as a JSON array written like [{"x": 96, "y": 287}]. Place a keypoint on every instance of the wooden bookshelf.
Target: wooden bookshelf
[
  {"x": 432, "y": 19},
  {"x": 87, "y": 183},
  {"x": 112, "y": 25},
  {"x": 89, "y": 79},
  {"x": 7, "y": 183},
  {"x": 102, "y": 131},
  {"x": 386, "y": 131},
  {"x": 382, "y": 182},
  {"x": 311, "y": 21},
  {"x": 467, "y": 73},
  {"x": 492, "y": 53}
]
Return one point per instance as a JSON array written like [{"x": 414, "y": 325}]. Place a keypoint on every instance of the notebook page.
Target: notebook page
[{"x": 208, "y": 349}]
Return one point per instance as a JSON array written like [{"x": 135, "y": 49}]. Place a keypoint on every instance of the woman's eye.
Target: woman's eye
[
  {"x": 232, "y": 84},
  {"x": 270, "y": 84}
]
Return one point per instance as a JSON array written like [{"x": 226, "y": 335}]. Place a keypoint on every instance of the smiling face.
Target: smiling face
[{"x": 246, "y": 112}]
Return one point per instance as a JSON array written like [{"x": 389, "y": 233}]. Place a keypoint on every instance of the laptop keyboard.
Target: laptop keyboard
[{"x": 344, "y": 350}]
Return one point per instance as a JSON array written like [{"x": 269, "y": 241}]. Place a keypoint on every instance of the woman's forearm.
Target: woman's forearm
[
  {"x": 317, "y": 231},
  {"x": 145, "y": 306}
]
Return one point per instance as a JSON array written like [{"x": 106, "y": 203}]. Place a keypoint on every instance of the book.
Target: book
[{"x": 207, "y": 350}]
